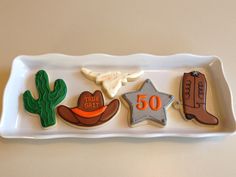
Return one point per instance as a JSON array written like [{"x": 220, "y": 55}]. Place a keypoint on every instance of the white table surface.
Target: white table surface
[{"x": 205, "y": 27}]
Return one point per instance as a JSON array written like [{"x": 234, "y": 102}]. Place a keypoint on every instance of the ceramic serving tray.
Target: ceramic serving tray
[{"x": 164, "y": 71}]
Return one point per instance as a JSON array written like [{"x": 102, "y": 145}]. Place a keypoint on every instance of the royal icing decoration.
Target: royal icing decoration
[
  {"x": 194, "y": 92},
  {"x": 148, "y": 104},
  {"x": 47, "y": 100},
  {"x": 111, "y": 81},
  {"x": 90, "y": 110}
]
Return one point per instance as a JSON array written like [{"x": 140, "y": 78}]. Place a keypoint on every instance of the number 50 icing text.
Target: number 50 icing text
[{"x": 154, "y": 102}]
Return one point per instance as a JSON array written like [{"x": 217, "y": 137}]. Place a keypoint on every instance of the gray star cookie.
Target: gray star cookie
[{"x": 144, "y": 104}]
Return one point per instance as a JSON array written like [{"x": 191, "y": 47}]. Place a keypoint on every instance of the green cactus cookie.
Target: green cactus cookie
[{"x": 45, "y": 105}]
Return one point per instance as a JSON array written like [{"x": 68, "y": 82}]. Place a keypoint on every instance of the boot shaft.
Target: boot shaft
[
  {"x": 188, "y": 90},
  {"x": 194, "y": 89},
  {"x": 200, "y": 89}
]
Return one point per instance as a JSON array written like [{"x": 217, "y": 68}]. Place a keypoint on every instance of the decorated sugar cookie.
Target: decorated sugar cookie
[
  {"x": 148, "y": 105},
  {"x": 111, "y": 81},
  {"x": 90, "y": 110},
  {"x": 47, "y": 100},
  {"x": 194, "y": 92}
]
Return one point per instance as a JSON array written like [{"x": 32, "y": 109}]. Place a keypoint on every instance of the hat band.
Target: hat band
[{"x": 89, "y": 114}]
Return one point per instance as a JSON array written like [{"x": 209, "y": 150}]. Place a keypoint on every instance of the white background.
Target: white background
[{"x": 206, "y": 27}]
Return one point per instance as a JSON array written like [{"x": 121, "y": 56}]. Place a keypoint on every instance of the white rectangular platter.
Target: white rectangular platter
[{"x": 164, "y": 71}]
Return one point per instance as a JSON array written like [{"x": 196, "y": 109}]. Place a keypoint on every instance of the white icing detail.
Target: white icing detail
[
  {"x": 111, "y": 81},
  {"x": 134, "y": 76},
  {"x": 89, "y": 74}
]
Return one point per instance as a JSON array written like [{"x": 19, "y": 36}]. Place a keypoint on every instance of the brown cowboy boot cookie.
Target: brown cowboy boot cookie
[
  {"x": 194, "y": 92},
  {"x": 90, "y": 110}
]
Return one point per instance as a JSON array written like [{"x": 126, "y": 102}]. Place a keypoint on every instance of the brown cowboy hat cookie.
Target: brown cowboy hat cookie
[{"x": 90, "y": 110}]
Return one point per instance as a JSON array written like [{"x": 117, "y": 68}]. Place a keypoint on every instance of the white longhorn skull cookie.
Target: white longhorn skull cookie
[{"x": 111, "y": 81}]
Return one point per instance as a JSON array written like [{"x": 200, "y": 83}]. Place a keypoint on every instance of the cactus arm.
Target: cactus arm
[
  {"x": 59, "y": 92},
  {"x": 30, "y": 103},
  {"x": 42, "y": 83}
]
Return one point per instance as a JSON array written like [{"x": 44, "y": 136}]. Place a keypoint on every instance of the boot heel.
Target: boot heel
[{"x": 190, "y": 116}]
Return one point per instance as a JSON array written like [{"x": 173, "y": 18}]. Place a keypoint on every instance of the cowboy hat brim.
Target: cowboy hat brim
[{"x": 68, "y": 115}]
